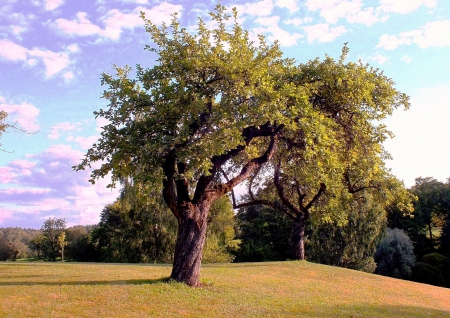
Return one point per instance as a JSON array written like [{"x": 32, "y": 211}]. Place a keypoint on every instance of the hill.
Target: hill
[{"x": 278, "y": 289}]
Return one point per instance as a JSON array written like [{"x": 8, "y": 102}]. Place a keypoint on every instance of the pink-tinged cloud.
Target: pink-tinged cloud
[
  {"x": 11, "y": 51},
  {"x": 54, "y": 62},
  {"x": 52, "y": 4},
  {"x": 81, "y": 26},
  {"x": 25, "y": 115},
  {"x": 272, "y": 28},
  {"x": 291, "y": 5},
  {"x": 86, "y": 142},
  {"x": 23, "y": 164},
  {"x": 7, "y": 175},
  {"x": 66, "y": 126},
  {"x": 51, "y": 187}
]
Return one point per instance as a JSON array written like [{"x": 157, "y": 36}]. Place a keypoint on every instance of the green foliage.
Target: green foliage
[
  {"x": 217, "y": 109},
  {"x": 394, "y": 255},
  {"x": 80, "y": 247},
  {"x": 7, "y": 250},
  {"x": 265, "y": 235},
  {"x": 351, "y": 244},
  {"x": 427, "y": 274},
  {"x": 136, "y": 228},
  {"x": 445, "y": 239},
  {"x": 20, "y": 237},
  {"x": 220, "y": 238},
  {"x": 441, "y": 262},
  {"x": 46, "y": 244}
]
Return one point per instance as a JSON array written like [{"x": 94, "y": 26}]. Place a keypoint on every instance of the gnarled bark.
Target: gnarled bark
[{"x": 191, "y": 237}]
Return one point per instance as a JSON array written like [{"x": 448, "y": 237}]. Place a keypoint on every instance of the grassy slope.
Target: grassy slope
[{"x": 289, "y": 289}]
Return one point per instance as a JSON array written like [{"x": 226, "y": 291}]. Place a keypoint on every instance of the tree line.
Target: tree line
[{"x": 138, "y": 227}]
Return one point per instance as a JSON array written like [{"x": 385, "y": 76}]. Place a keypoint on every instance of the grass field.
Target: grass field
[{"x": 279, "y": 289}]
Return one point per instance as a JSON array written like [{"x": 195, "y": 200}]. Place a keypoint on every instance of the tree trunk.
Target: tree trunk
[
  {"x": 191, "y": 237},
  {"x": 298, "y": 240}
]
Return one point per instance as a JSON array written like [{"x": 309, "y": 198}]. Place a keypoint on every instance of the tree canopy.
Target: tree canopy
[{"x": 217, "y": 109}]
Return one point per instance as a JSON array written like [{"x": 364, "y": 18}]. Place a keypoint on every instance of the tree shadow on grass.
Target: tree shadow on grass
[{"x": 88, "y": 282}]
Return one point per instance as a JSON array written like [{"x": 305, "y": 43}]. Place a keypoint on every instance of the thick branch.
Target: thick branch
[{"x": 169, "y": 194}]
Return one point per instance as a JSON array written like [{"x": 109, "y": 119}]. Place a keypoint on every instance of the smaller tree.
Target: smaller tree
[
  {"x": 51, "y": 230},
  {"x": 394, "y": 255},
  {"x": 62, "y": 244}
]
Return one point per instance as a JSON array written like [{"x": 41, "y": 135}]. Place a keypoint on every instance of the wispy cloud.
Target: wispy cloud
[
  {"x": 323, "y": 32},
  {"x": 52, "y": 4},
  {"x": 405, "y": 6},
  {"x": 44, "y": 184},
  {"x": 66, "y": 126},
  {"x": 24, "y": 114},
  {"x": 432, "y": 34},
  {"x": 115, "y": 21}
]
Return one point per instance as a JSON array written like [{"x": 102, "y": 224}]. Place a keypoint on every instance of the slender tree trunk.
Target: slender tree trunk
[
  {"x": 298, "y": 239},
  {"x": 191, "y": 238}
]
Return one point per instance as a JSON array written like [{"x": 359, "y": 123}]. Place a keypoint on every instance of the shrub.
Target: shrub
[
  {"x": 441, "y": 262},
  {"x": 427, "y": 274},
  {"x": 394, "y": 255}
]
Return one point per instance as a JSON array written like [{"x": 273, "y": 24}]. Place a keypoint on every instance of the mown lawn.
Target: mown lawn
[{"x": 278, "y": 289}]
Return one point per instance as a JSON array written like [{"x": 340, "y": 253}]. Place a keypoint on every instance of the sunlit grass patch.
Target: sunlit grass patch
[{"x": 228, "y": 290}]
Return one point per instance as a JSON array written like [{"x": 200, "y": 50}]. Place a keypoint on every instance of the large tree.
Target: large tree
[{"x": 216, "y": 108}]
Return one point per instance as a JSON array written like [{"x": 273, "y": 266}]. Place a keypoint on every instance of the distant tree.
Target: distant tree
[
  {"x": 429, "y": 206},
  {"x": 36, "y": 245},
  {"x": 80, "y": 247},
  {"x": 7, "y": 249},
  {"x": 20, "y": 238},
  {"x": 445, "y": 239},
  {"x": 264, "y": 234},
  {"x": 62, "y": 244},
  {"x": 427, "y": 274},
  {"x": 394, "y": 255},
  {"x": 220, "y": 243},
  {"x": 51, "y": 230},
  {"x": 441, "y": 262}
]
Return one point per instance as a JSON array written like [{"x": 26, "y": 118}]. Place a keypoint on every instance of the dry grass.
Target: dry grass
[{"x": 279, "y": 289}]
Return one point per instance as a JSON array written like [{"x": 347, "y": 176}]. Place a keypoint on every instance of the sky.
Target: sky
[{"x": 53, "y": 52}]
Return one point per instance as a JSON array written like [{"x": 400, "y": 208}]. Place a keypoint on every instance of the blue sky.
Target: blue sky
[{"x": 52, "y": 53}]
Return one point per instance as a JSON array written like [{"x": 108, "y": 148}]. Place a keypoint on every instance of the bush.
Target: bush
[
  {"x": 394, "y": 255},
  {"x": 441, "y": 262},
  {"x": 427, "y": 274}
]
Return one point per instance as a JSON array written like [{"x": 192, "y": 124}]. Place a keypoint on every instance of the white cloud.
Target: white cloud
[
  {"x": 323, "y": 33},
  {"x": 405, "y": 6},
  {"x": 288, "y": 4},
  {"x": 261, "y": 8},
  {"x": 24, "y": 114},
  {"x": 406, "y": 59},
  {"x": 115, "y": 21},
  {"x": 434, "y": 34},
  {"x": 276, "y": 33},
  {"x": 352, "y": 10},
  {"x": 381, "y": 59}
]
